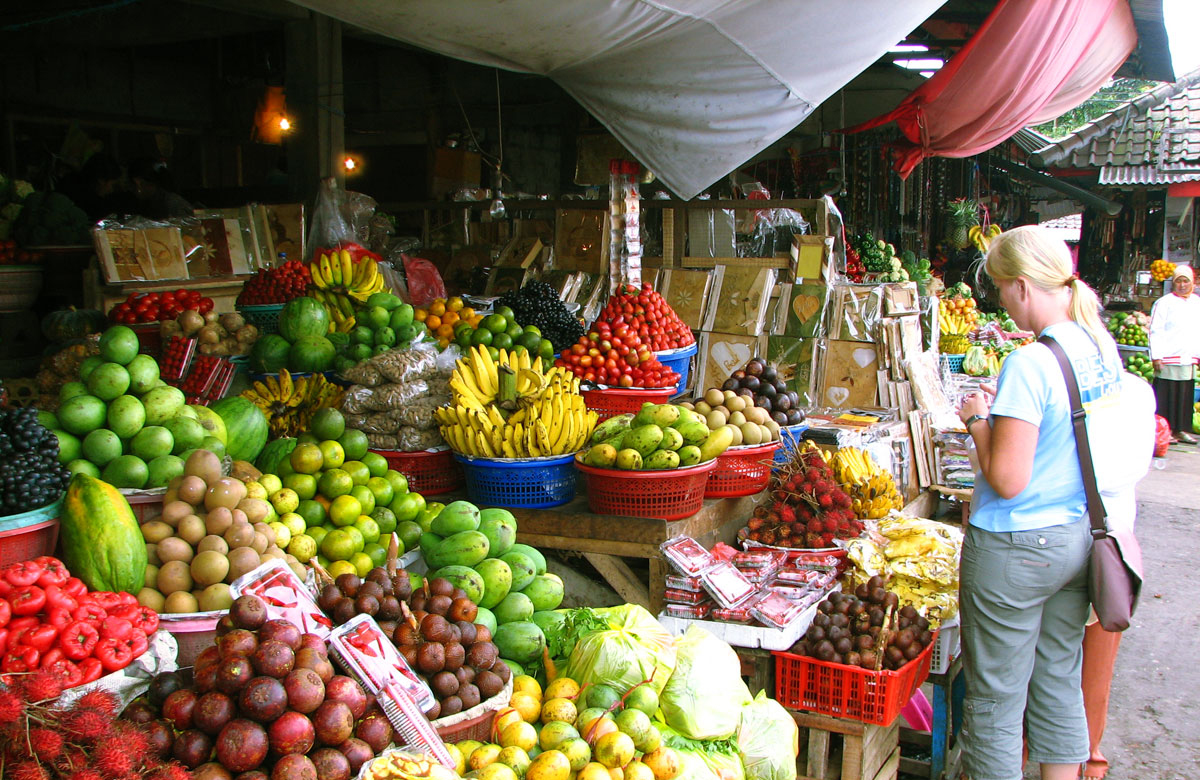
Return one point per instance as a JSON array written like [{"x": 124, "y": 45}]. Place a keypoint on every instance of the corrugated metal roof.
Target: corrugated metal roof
[
  {"x": 1144, "y": 175},
  {"x": 1066, "y": 228},
  {"x": 1160, "y": 128}
]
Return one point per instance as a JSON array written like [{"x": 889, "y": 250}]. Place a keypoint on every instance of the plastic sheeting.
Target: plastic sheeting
[{"x": 693, "y": 88}]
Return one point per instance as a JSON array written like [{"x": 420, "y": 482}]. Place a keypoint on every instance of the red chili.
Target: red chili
[
  {"x": 28, "y": 600},
  {"x": 58, "y": 617},
  {"x": 116, "y": 628},
  {"x": 23, "y": 574},
  {"x": 78, "y": 640},
  {"x": 90, "y": 611},
  {"x": 147, "y": 621},
  {"x": 91, "y": 669},
  {"x": 20, "y": 659},
  {"x": 138, "y": 644},
  {"x": 113, "y": 655},
  {"x": 67, "y": 673},
  {"x": 75, "y": 587},
  {"x": 40, "y": 638},
  {"x": 54, "y": 572},
  {"x": 57, "y": 597},
  {"x": 5, "y": 612},
  {"x": 51, "y": 656}
]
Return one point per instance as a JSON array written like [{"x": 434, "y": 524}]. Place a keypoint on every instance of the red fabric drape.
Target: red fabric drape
[{"x": 1030, "y": 61}]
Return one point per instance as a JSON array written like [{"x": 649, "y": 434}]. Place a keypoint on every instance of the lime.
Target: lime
[
  {"x": 368, "y": 528},
  {"x": 534, "y": 329},
  {"x": 496, "y": 323},
  {"x": 407, "y": 506},
  {"x": 531, "y": 341},
  {"x": 108, "y": 381},
  {"x": 307, "y": 459},
  {"x": 334, "y": 483},
  {"x": 337, "y": 545},
  {"x": 294, "y": 523},
  {"x": 312, "y": 512},
  {"x": 546, "y": 352},
  {"x": 408, "y": 531},
  {"x": 493, "y": 353},
  {"x": 358, "y": 471},
  {"x": 462, "y": 336},
  {"x": 102, "y": 446},
  {"x": 305, "y": 485},
  {"x": 365, "y": 498},
  {"x": 362, "y": 335},
  {"x": 354, "y": 444},
  {"x": 81, "y": 466},
  {"x": 375, "y": 463},
  {"x": 119, "y": 344},
  {"x": 152, "y": 442},
  {"x": 328, "y": 423},
  {"x": 72, "y": 389},
  {"x": 398, "y": 481},
  {"x": 332, "y": 454},
  {"x": 481, "y": 337},
  {"x": 89, "y": 365},
  {"x": 356, "y": 535},
  {"x": 317, "y": 533},
  {"x": 126, "y": 471},
  {"x": 362, "y": 563},
  {"x": 82, "y": 414},
  {"x": 344, "y": 510},
  {"x": 502, "y": 341},
  {"x": 338, "y": 568},
  {"x": 380, "y": 488},
  {"x": 385, "y": 519},
  {"x": 514, "y": 330},
  {"x": 285, "y": 500},
  {"x": 70, "y": 448},
  {"x": 377, "y": 554},
  {"x": 303, "y": 547},
  {"x": 506, "y": 312}
]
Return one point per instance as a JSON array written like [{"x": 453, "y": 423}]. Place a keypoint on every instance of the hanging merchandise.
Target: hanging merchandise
[{"x": 625, "y": 242}]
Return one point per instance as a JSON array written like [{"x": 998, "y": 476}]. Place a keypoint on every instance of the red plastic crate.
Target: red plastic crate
[
  {"x": 429, "y": 473},
  {"x": 32, "y": 541},
  {"x": 611, "y": 401},
  {"x": 669, "y": 494},
  {"x": 804, "y": 683},
  {"x": 741, "y": 471}
]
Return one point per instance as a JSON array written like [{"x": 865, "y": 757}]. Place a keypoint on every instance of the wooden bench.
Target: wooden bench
[{"x": 868, "y": 752}]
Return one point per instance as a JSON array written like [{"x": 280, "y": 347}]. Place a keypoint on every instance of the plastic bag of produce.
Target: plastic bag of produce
[
  {"x": 634, "y": 649},
  {"x": 365, "y": 373},
  {"x": 707, "y": 671},
  {"x": 419, "y": 414},
  {"x": 406, "y": 365},
  {"x": 381, "y": 441},
  {"x": 716, "y": 759},
  {"x": 1162, "y": 436},
  {"x": 768, "y": 740},
  {"x": 415, "y": 440}
]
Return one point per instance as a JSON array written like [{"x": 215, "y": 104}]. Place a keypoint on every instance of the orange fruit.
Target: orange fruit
[
  {"x": 420, "y": 314},
  {"x": 478, "y": 318},
  {"x": 438, "y": 307},
  {"x": 445, "y": 331},
  {"x": 449, "y": 318},
  {"x": 466, "y": 313},
  {"x": 433, "y": 322},
  {"x": 454, "y": 304}
]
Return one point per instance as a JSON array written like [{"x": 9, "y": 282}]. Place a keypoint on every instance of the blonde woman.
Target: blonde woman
[{"x": 1023, "y": 585}]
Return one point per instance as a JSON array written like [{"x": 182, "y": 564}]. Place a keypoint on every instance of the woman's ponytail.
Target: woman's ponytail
[{"x": 1085, "y": 310}]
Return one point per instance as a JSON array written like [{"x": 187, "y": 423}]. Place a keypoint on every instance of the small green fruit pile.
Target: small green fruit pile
[
  {"x": 1140, "y": 365},
  {"x": 384, "y": 323},
  {"x": 660, "y": 436}
]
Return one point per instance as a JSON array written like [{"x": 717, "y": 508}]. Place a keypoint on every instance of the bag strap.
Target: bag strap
[{"x": 1079, "y": 422}]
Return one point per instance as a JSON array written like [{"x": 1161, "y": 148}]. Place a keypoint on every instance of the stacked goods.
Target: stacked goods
[
  {"x": 855, "y": 270},
  {"x": 870, "y": 631},
  {"x": 760, "y": 384},
  {"x": 124, "y": 423},
  {"x": 879, "y": 257},
  {"x": 919, "y": 560},
  {"x": 1162, "y": 270},
  {"x": 475, "y": 550},
  {"x": 660, "y": 436},
  {"x": 394, "y": 397},
  {"x": 446, "y": 319},
  {"x": 344, "y": 278},
  {"x": 63, "y": 367},
  {"x": 302, "y": 344},
  {"x": 588, "y": 731},
  {"x": 31, "y": 471},
  {"x": 213, "y": 529},
  {"x": 620, "y": 352},
  {"x": 289, "y": 404},
  {"x": 957, "y": 316},
  {"x": 872, "y": 490},
  {"x": 1130, "y": 328},
  {"x": 264, "y": 696},
  {"x": 509, "y": 408},
  {"x": 219, "y": 335},
  {"x": 645, "y": 314},
  {"x": 497, "y": 331},
  {"x": 57, "y": 624},
  {"x": 275, "y": 285},
  {"x": 537, "y": 304},
  {"x": 1140, "y": 364},
  {"x": 384, "y": 323},
  {"x": 45, "y": 737},
  {"x": 751, "y": 424},
  {"x": 807, "y": 508},
  {"x": 152, "y": 307}
]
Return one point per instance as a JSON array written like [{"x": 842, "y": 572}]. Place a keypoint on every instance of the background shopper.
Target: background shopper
[{"x": 1174, "y": 347}]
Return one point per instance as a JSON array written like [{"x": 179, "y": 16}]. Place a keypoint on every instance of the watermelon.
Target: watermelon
[
  {"x": 311, "y": 354},
  {"x": 274, "y": 453},
  {"x": 270, "y": 353},
  {"x": 303, "y": 318},
  {"x": 246, "y": 425}
]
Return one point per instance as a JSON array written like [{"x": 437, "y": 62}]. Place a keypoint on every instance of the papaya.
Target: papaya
[
  {"x": 102, "y": 543},
  {"x": 465, "y": 548}
]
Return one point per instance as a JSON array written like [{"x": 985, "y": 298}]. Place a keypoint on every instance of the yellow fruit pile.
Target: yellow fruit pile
[
  {"x": 872, "y": 490},
  {"x": 342, "y": 283},
  {"x": 569, "y": 739},
  {"x": 1161, "y": 270},
  {"x": 442, "y": 315},
  {"x": 289, "y": 404}
]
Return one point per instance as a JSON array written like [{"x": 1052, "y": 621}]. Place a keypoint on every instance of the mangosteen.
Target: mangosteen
[
  {"x": 739, "y": 375},
  {"x": 795, "y": 417},
  {"x": 795, "y": 397},
  {"x": 730, "y": 384},
  {"x": 783, "y": 402},
  {"x": 745, "y": 392},
  {"x": 769, "y": 373},
  {"x": 768, "y": 390},
  {"x": 763, "y": 402},
  {"x": 779, "y": 417},
  {"x": 754, "y": 367},
  {"x": 780, "y": 386},
  {"x": 751, "y": 383}
]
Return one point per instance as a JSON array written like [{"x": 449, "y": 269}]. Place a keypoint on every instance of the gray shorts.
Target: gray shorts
[{"x": 1024, "y": 604}]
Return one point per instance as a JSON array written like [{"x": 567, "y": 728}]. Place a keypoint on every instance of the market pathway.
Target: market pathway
[{"x": 1154, "y": 714}]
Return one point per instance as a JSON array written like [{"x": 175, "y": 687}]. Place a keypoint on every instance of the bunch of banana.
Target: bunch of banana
[
  {"x": 955, "y": 323},
  {"x": 340, "y": 280},
  {"x": 289, "y": 404},
  {"x": 509, "y": 408},
  {"x": 872, "y": 490},
  {"x": 982, "y": 238}
]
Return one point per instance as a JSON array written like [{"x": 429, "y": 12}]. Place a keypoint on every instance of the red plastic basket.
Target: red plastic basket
[
  {"x": 842, "y": 691},
  {"x": 32, "y": 541},
  {"x": 429, "y": 473},
  {"x": 671, "y": 494},
  {"x": 146, "y": 507},
  {"x": 741, "y": 471},
  {"x": 611, "y": 401}
]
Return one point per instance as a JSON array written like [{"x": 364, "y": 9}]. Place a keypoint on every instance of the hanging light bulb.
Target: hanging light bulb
[
  {"x": 497, "y": 209},
  {"x": 284, "y": 124}
]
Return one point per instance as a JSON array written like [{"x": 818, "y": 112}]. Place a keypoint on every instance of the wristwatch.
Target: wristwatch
[{"x": 972, "y": 420}]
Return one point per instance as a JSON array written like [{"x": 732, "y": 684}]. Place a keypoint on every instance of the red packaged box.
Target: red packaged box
[
  {"x": 685, "y": 596},
  {"x": 361, "y": 647},
  {"x": 736, "y": 615},
  {"x": 689, "y": 611},
  {"x": 775, "y": 610},
  {"x": 678, "y": 582},
  {"x": 200, "y": 379},
  {"x": 759, "y": 559},
  {"x": 728, "y": 586},
  {"x": 177, "y": 358},
  {"x": 686, "y": 555}
]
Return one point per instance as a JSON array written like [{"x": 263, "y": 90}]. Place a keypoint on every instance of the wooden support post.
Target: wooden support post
[
  {"x": 868, "y": 752},
  {"x": 622, "y": 579}
]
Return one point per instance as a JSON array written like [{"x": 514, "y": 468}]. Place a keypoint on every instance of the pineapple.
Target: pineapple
[{"x": 964, "y": 214}]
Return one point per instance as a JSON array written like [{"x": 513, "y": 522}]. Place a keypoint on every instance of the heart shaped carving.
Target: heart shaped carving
[
  {"x": 730, "y": 355},
  {"x": 863, "y": 357},
  {"x": 837, "y": 395},
  {"x": 806, "y": 306}
]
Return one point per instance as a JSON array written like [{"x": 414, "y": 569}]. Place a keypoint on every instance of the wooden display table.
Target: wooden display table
[{"x": 868, "y": 752}]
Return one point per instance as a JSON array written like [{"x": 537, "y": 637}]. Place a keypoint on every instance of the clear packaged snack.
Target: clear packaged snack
[
  {"x": 679, "y": 582},
  {"x": 735, "y": 615},
  {"x": 777, "y": 611},
  {"x": 370, "y": 657},
  {"x": 685, "y": 596},
  {"x": 688, "y": 611},
  {"x": 686, "y": 555},
  {"x": 728, "y": 586}
]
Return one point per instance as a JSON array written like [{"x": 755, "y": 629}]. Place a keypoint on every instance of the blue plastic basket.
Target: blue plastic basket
[
  {"x": 263, "y": 316},
  {"x": 679, "y": 361},
  {"x": 790, "y": 437},
  {"x": 532, "y": 484},
  {"x": 953, "y": 361}
]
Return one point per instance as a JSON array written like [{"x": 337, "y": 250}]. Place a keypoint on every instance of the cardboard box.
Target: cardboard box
[
  {"x": 581, "y": 239},
  {"x": 740, "y": 297},
  {"x": 720, "y": 354},
  {"x": 146, "y": 255},
  {"x": 850, "y": 377},
  {"x": 687, "y": 292},
  {"x": 810, "y": 257},
  {"x": 798, "y": 362}
]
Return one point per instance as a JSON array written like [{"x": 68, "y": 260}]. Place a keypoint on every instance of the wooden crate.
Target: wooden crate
[{"x": 867, "y": 752}]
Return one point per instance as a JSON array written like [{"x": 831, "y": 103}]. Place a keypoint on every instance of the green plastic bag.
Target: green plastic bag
[
  {"x": 634, "y": 649},
  {"x": 767, "y": 740},
  {"x": 716, "y": 759},
  {"x": 705, "y": 695}
]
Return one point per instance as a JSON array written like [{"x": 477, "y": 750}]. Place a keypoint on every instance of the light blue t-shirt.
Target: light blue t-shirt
[{"x": 1031, "y": 388}]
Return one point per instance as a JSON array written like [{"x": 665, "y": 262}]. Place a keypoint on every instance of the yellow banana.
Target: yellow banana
[
  {"x": 346, "y": 266},
  {"x": 326, "y": 271}
]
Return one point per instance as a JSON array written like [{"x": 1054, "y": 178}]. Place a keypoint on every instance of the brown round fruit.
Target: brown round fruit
[
  {"x": 416, "y": 602},
  {"x": 315, "y": 642},
  {"x": 451, "y": 705},
  {"x": 454, "y": 655},
  {"x": 334, "y": 723},
  {"x": 330, "y": 763},
  {"x": 482, "y": 633},
  {"x": 213, "y": 710},
  {"x": 343, "y": 610},
  {"x": 464, "y": 675},
  {"x": 273, "y": 658},
  {"x": 263, "y": 699},
  {"x": 305, "y": 690},
  {"x": 466, "y": 632},
  {"x": 224, "y": 626},
  {"x": 139, "y": 711},
  {"x": 402, "y": 587},
  {"x": 161, "y": 735},
  {"x": 488, "y": 683},
  {"x": 389, "y": 609},
  {"x": 435, "y": 628},
  {"x": 431, "y": 658},
  {"x": 440, "y": 586},
  {"x": 294, "y": 767},
  {"x": 253, "y": 774},
  {"x": 443, "y": 684},
  {"x": 239, "y": 641},
  {"x": 366, "y": 604},
  {"x": 375, "y": 730},
  {"x": 406, "y": 635},
  {"x": 348, "y": 691},
  {"x": 372, "y": 589},
  {"x": 349, "y": 583},
  {"x": 482, "y": 655},
  {"x": 330, "y": 595},
  {"x": 191, "y": 748},
  {"x": 282, "y": 631},
  {"x": 307, "y": 658},
  {"x": 233, "y": 673},
  {"x": 242, "y": 745},
  {"x": 291, "y": 733},
  {"x": 463, "y": 610},
  {"x": 180, "y": 707},
  {"x": 208, "y": 656},
  {"x": 356, "y": 752},
  {"x": 205, "y": 680},
  {"x": 503, "y": 671},
  {"x": 439, "y": 605},
  {"x": 248, "y": 612},
  {"x": 469, "y": 695},
  {"x": 211, "y": 771}
]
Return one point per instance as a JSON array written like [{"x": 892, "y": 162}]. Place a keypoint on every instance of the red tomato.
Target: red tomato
[{"x": 206, "y": 305}]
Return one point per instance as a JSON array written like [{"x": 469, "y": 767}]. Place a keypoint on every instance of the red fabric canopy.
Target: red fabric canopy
[{"x": 1030, "y": 61}]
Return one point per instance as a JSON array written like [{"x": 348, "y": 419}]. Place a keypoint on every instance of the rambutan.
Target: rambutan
[
  {"x": 754, "y": 536},
  {"x": 787, "y": 514},
  {"x": 826, "y": 540},
  {"x": 812, "y": 540},
  {"x": 768, "y": 537},
  {"x": 99, "y": 700},
  {"x": 806, "y": 488},
  {"x": 112, "y": 760},
  {"x": 784, "y": 531},
  {"x": 47, "y": 744},
  {"x": 87, "y": 725},
  {"x": 171, "y": 771},
  {"x": 779, "y": 495},
  {"x": 40, "y": 687},
  {"x": 133, "y": 739},
  {"x": 85, "y": 774},
  {"x": 11, "y": 708},
  {"x": 825, "y": 500},
  {"x": 26, "y": 770},
  {"x": 754, "y": 523}
]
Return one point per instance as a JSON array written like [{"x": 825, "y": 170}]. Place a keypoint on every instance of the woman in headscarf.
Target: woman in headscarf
[{"x": 1174, "y": 347}]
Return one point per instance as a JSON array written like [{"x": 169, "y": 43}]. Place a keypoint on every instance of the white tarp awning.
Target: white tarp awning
[{"x": 693, "y": 88}]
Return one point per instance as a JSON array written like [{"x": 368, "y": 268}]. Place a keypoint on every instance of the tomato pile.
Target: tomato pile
[
  {"x": 275, "y": 285},
  {"x": 616, "y": 355},
  {"x": 49, "y": 620},
  {"x": 11, "y": 254},
  {"x": 644, "y": 313},
  {"x": 152, "y": 307}
]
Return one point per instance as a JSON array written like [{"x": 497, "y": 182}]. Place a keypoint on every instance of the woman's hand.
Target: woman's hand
[
  {"x": 976, "y": 403},
  {"x": 1157, "y": 365}
]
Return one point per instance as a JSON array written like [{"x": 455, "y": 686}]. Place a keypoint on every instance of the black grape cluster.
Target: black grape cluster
[
  {"x": 30, "y": 474},
  {"x": 538, "y": 304}
]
